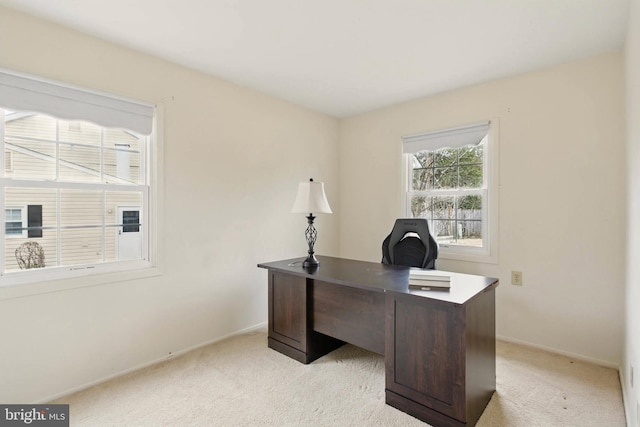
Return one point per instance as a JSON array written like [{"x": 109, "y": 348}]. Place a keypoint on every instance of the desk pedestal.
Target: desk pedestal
[
  {"x": 291, "y": 319},
  {"x": 440, "y": 357}
]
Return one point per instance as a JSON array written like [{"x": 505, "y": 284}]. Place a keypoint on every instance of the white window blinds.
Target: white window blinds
[
  {"x": 23, "y": 93},
  {"x": 448, "y": 138}
]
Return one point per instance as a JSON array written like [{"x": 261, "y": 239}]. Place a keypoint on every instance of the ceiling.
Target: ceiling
[{"x": 344, "y": 57}]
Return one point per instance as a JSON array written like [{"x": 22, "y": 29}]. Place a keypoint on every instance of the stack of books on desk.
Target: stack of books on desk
[{"x": 424, "y": 279}]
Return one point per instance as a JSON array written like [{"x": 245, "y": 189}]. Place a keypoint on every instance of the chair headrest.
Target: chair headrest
[{"x": 420, "y": 226}]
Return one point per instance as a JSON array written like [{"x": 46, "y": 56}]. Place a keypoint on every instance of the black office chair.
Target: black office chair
[{"x": 410, "y": 244}]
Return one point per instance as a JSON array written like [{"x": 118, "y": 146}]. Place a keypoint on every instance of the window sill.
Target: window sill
[
  {"x": 469, "y": 257},
  {"x": 10, "y": 289}
]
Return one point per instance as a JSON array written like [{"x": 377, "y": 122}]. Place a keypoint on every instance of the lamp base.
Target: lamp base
[{"x": 311, "y": 262}]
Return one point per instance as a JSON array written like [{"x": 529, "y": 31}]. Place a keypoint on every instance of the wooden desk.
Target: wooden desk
[{"x": 439, "y": 345}]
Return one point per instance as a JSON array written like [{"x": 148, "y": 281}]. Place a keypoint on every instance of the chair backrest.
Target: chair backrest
[{"x": 410, "y": 244}]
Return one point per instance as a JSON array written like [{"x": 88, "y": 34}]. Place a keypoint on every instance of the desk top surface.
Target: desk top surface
[{"x": 379, "y": 277}]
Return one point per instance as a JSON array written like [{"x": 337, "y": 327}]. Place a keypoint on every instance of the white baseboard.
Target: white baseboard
[
  {"x": 261, "y": 325},
  {"x": 195, "y": 347},
  {"x": 625, "y": 403},
  {"x": 575, "y": 356}
]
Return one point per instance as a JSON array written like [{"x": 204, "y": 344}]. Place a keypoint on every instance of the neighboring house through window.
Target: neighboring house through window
[
  {"x": 8, "y": 161},
  {"x": 73, "y": 159},
  {"x": 451, "y": 182}
]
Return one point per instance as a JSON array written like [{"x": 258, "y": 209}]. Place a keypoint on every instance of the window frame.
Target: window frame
[
  {"x": 488, "y": 253},
  {"x": 91, "y": 274}
]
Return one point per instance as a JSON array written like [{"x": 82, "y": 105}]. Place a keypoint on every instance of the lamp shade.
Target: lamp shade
[{"x": 311, "y": 198}]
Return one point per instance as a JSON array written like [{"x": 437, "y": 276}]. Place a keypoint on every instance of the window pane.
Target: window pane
[
  {"x": 13, "y": 228},
  {"x": 471, "y": 154},
  {"x": 445, "y": 157},
  {"x": 78, "y": 207},
  {"x": 31, "y": 159},
  {"x": 17, "y": 247},
  {"x": 79, "y": 132},
  {"x": 443, "y": 231},
  {"x": 471, "y": 204},
  {"x": 469, "y": 221},
  {"x": 13, "y": 222},
  {"x": 80, "y": 246},
  {"x": 79, "y": 163},
  {"x": 443, "y": 207},
  {"x": 470, "y": 176},
  {"x": 30, "y": 138},
  {"x": 422, "y": 171},
  {"x": 37, "y": 143},
  {"x": 423, "y": 159},
  {"x": 13, "y": 215},
  {"x": 445, "y": 178},
  {"x": 469, "y": 233},
  {"x": 30, "y": 126},
  {"x": 419, "y": 207},
  {"x": 422, "y": 179},
  {"x": 131, "y": 221},
  {"x": 452, "y": 219},
  {"x": 122, "y": 156}
]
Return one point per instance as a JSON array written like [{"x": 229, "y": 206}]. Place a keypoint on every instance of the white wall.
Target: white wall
[
  {"x": 561, "y": 197},
  {"x": 232, "y": 161},
  {"x": 632, "y": 335}
]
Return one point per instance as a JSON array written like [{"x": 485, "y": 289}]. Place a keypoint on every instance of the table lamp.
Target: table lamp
[{"x": 311, "y": 199}]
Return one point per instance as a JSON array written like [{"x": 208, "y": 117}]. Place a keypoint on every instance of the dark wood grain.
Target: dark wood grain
[
  {"x": 425, "y": 354},
  {"x": 421, "y": 412},
  {"x": 291, "y": 319},
  {"x": 382, "y": 277},
  {"x": 349, "y": 314},
  {"x": 440, "y": 357},
  {"x": 480, "y": 353},
  {"x": 288, "y": 310},
  {"x": 439, "y": 346}
]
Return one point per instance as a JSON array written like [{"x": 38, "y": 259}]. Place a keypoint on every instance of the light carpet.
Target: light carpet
[{"x": 241, "y": 382}]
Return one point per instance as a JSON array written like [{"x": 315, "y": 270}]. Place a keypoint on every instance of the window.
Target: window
[
  {"x": 13, "y": 220},
  {"x": 131, "y": 221},
  {"x": 450, "y": 183},
  {"x": 76, "y": 157}
]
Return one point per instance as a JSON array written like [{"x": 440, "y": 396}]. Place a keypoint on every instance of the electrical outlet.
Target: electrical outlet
[{"x": 516, "y": 278}]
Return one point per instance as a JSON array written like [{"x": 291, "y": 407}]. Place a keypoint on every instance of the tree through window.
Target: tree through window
[{"x": 448, "y": 184}]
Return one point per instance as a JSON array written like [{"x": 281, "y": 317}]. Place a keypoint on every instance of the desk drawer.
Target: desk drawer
[{"x": 350, "y": 314}]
